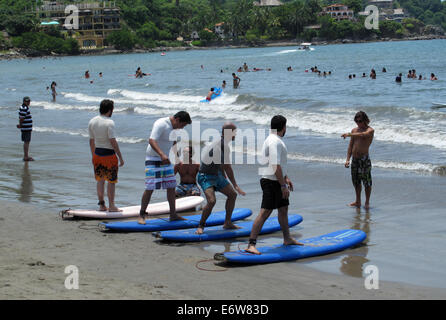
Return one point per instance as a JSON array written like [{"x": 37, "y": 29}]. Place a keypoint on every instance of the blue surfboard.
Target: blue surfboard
[
  {"x": 216, "y": 94},
  {"x": 325, "y": 244},
  {"x": 217, "y": 233},
  {"x": 216, "y": 218}
]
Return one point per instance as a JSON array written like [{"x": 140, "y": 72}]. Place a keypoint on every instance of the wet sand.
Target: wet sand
[{"x": 36, "y": 246}]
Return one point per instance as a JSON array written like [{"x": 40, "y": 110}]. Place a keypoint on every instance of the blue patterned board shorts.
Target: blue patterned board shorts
[
  {"x": 361, "y": 169},
  {"x": 207, "y": 181},
  {"x": 159, "y": 175},
  {"x": 186, "y": 189}
]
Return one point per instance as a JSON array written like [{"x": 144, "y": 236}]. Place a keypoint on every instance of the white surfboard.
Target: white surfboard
[
  {"x": 438, "y": 105},
  {"x": 181, "y": 204}
]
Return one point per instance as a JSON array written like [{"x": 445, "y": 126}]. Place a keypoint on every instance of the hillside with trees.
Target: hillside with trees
[{"x": 154, "y": 23}]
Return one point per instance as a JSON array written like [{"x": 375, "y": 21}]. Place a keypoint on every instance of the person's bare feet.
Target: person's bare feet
[
  {"x": 102, "y": 206},
  {"x": 176, "y": 217},
  {"x": 367, "y": 206},
  {"x": 355, "y": 204},
  {"x": 292, "y": 242},
  {"x": 229, "y": 226},
  {"x": 114, "y": 209},
  {"x": 199, "y": 230},
  {"x": 142, "y": 219},
  {"x": 28, "y": 159},
  {"x": 252, "y": 249}
]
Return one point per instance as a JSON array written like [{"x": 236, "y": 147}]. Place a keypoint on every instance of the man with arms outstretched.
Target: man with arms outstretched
[
  {"x": 358, "y": 150},
  {"x": 215, "y": 167}
]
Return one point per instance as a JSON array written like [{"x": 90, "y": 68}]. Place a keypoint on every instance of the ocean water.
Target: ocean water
[{"x": 409, "y": 145}]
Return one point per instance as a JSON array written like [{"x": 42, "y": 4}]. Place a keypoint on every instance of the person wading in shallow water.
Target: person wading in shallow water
[
  {"x": 26, "y": 127},
  {"x": 358, "y": 150}
]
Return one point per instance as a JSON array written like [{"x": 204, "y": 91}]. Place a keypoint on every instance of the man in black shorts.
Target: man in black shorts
[
  {"x": 26, "y": 127},
  {"x": 276, "y": 185}
]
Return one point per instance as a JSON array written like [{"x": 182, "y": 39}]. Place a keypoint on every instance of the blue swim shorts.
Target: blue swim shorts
[{"x": 207, "y": 181}]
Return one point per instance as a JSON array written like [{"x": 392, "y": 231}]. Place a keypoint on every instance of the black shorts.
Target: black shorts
[
  {"x": 272, "y": 195},
  {"x": 26, "y": 136}
]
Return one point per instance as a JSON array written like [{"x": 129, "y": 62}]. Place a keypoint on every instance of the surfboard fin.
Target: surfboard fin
[{"x": 219, "y": 257}]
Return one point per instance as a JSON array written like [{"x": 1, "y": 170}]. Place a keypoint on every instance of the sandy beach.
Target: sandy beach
[
  {"x": 405, "y": 225},
  {"x": 36, "y": 246}
]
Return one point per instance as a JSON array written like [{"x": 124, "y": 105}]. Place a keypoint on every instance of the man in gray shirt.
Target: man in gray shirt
[{"x": 215, "y": 167}]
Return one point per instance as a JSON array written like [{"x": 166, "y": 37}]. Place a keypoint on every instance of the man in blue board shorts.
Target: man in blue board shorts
[
  {"x": 159, "y": 172},
  {"x": 275, "y": 183},
  {"x": 215, "y": 167}
]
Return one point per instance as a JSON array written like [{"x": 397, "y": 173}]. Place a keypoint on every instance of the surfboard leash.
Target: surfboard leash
[{"x": 197, "y": 265}]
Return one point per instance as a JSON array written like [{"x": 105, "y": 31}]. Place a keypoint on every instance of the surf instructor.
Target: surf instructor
[
  {"x": 158, "y": 168},
  {"x": 275, "y": 183},
  {"x": 361, "y": 138}
]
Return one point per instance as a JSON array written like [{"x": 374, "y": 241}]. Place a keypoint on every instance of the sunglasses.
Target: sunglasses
[{"x": 359, "y": 121}]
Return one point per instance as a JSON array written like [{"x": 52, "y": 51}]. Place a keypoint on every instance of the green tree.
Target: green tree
[{"x": 122, "y": 39}]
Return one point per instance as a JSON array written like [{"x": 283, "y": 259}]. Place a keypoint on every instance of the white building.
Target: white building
[{"x": 268, "y": 3}]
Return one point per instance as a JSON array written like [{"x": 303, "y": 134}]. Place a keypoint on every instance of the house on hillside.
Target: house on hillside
[
  {"x": 338, "y": 12},
  {"x": 219, "y": 30},
  {"x": 267, "y": 3}
]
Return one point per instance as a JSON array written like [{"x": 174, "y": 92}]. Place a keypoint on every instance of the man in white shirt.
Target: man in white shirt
[
  {"x": 105, "y": 153},
  {"x": 275, "y": 183},
  {"x": 158, "y": 168}
]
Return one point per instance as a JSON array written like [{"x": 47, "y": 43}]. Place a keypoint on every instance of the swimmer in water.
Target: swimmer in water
[
  {"x": 53, "y": 90},
  {"x": 235, "y": 81},
  {"x": 139, "y": 73}
]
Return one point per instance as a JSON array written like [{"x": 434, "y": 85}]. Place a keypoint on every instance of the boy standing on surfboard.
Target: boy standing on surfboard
[
  {"x": 159, "y": 170},
  {"x": 105, "y": 152},
  {"x": 215, "y": 167},
  {"x": 358, "y": 149},
  {"x": 275, "y": 183}
]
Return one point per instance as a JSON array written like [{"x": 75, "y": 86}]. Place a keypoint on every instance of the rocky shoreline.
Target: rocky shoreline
[{"x": 16, "y": 53}]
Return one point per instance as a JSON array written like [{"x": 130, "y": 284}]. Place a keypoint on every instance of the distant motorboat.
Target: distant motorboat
[
  {"x": 163, "y": 53},
  {"x": 305, "y": 46}
]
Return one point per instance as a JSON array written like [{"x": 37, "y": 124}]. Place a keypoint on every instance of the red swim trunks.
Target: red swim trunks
[{"x": 106, "y": 168}]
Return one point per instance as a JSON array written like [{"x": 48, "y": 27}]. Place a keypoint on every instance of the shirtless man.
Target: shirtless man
[
  {"x": 213, "y": 176},
  {"x": 210, "y": 93},
  {"x": 188, "y": 175},
  {"x": 361, "y": 166}
]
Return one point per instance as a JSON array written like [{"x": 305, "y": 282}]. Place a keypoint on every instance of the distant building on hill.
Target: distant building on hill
[
  {"x": 382, "y": 4},
  {"x": 338, "y": 12},
  {"x": 267, "y": 3},
  {"x": 397, "y": 15},
  {"x": 96, "y": 20}
]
